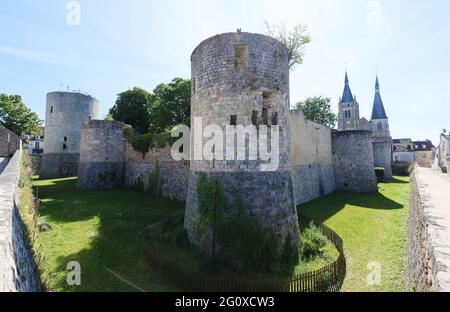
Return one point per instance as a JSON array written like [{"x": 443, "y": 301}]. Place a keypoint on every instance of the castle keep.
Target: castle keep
[{"x": 65, "y": 113}]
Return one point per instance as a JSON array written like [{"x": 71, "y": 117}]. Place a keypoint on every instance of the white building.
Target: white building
[
  {"x": 34, "y": 144},
  {"x": 403, "y": 150}
]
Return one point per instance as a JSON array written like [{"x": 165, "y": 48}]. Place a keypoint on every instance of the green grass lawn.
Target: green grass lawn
[
  {"x": 103, "y": 231},
  {"x": 373, "y": 227}
]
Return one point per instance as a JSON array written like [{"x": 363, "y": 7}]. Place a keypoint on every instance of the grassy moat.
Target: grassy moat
[
  {"x": 373, "y": 227},
  {"x": 104, "y": 232}
]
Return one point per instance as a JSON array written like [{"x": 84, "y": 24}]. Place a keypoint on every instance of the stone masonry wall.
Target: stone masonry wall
[
  {"x": 382, "y": 156},
  {"x": 17, "y": 267},
  {"x": 242, "y": 79},
  {"x": 312, "y": 162},
  {"x": 424, "y": 158},
  {"x": 102, "y": 155},
  {"x": 7, "y": 149},
  {"x": 59, "y": 165},
  {"x": 353, "y": 161},
  {"x": 174, "y": 175},
  {"x": 428, "y": 264}
]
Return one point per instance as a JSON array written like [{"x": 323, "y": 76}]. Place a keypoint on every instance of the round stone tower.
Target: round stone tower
[
  {"x": 65, "y": 113},
  {"x": 242, "y": 79}
]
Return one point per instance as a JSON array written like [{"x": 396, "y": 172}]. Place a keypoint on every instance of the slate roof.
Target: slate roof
[
  {"x": 378, "y": 111},
  {"x": 347, "y": 95}
]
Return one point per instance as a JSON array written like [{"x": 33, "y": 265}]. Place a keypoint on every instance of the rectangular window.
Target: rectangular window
[
  {"x": 254, "y": 118},
  {"x": 240, "y": 56},
  {"x": 36, "y": 145},
  {"x": 65, "y": 139},
  {"x": 275, "y": 119},
  {"x": 265, "y": 116},
  {"x": 64, "y": 146},
  {"x": 233, "y": 120},
  {"x": 51, "y": 110}
]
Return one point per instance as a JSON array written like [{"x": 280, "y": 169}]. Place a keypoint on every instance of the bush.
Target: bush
[
  {"x": 154, "y": 180},
  {"x": 312, "y": 242},
  {"x": 402, "y": 169},
  {"x": 379, "y": 172}
]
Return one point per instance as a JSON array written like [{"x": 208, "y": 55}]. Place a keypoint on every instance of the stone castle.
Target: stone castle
[{"x": 237, "y": 79}]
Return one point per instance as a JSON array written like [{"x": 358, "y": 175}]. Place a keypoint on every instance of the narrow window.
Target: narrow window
[
  {"x": 275, "y": 119},
  {"x": 265, "y": 116},
  {"x": 193, "y": 85},
  {"x": 51, "y": 110},
  {"x": 349, "y": 114},
  {"x": 89, "y": 117},
  {"x": 380, "y": 126},
  {"x": 64, "y": 146},
  {"x": 345, "y": 114},
  {"x": 240, "y": 56},
  {"x": 65, "y": 139},
  {"x": 254, "y": 118},
  {"x": 233, "y": 120}
]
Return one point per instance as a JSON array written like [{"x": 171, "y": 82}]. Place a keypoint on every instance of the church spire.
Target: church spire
[
  {"x": 378, "y": 111},
  {"x": 347, "y": 95}
]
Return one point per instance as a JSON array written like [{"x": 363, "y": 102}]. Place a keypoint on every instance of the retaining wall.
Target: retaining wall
[
  {"x": 428, "y": 266},
  {"x": 17, "y": 266}
]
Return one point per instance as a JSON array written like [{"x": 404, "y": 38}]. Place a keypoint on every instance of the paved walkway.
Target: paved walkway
[
  {"x": 3, "y": 163},
  {"x": 434, "y": 188}
]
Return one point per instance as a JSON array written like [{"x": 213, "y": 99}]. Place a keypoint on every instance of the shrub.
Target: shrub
[
  {"x": 402, "y": 168},
  {"x": 379, "y": 172},
  {"x": 154, "y": 180},
  {"x": 312, "y": 242}
]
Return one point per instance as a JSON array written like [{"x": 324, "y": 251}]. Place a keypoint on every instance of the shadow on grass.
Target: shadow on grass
[
  {"x": 324, "y": 208},
  {"x": 106, "y": 229},
  {"x": 396, "y": 181}
]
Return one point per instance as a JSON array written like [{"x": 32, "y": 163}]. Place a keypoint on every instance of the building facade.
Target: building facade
[
  {"x": 34, "y": 144},
  {"x": 403, "y": 150}
]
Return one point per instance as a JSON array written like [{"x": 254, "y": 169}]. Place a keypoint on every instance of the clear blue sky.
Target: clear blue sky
[{"x": 121, "y": 44}]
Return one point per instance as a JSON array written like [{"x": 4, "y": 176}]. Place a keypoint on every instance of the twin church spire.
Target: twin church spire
[{"x": 378, "y": 111}]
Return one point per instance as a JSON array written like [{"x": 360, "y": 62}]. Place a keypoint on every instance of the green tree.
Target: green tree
[
  {"x": 171, "y": 105},
  {"x": 17, "y": 117},
  {"x": 295, "y": 40},
  {"x": 133, "y": 108},
  {"x": 318, "y": 109}
]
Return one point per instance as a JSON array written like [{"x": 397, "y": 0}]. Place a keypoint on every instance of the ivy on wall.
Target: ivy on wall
[{"x": 242, "y": 239}]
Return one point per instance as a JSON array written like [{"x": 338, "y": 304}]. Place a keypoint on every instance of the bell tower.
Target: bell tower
[{"x": 348, "y": 117}]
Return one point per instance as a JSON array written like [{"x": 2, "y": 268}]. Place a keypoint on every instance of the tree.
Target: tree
[
  {"x": 171, "y": 105},
  {"x": 17, "y": 117},
  {"x": 318, "y": 109},
  {"x": 133, "y": 107},
  {"x": 295, "y": 40}
]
